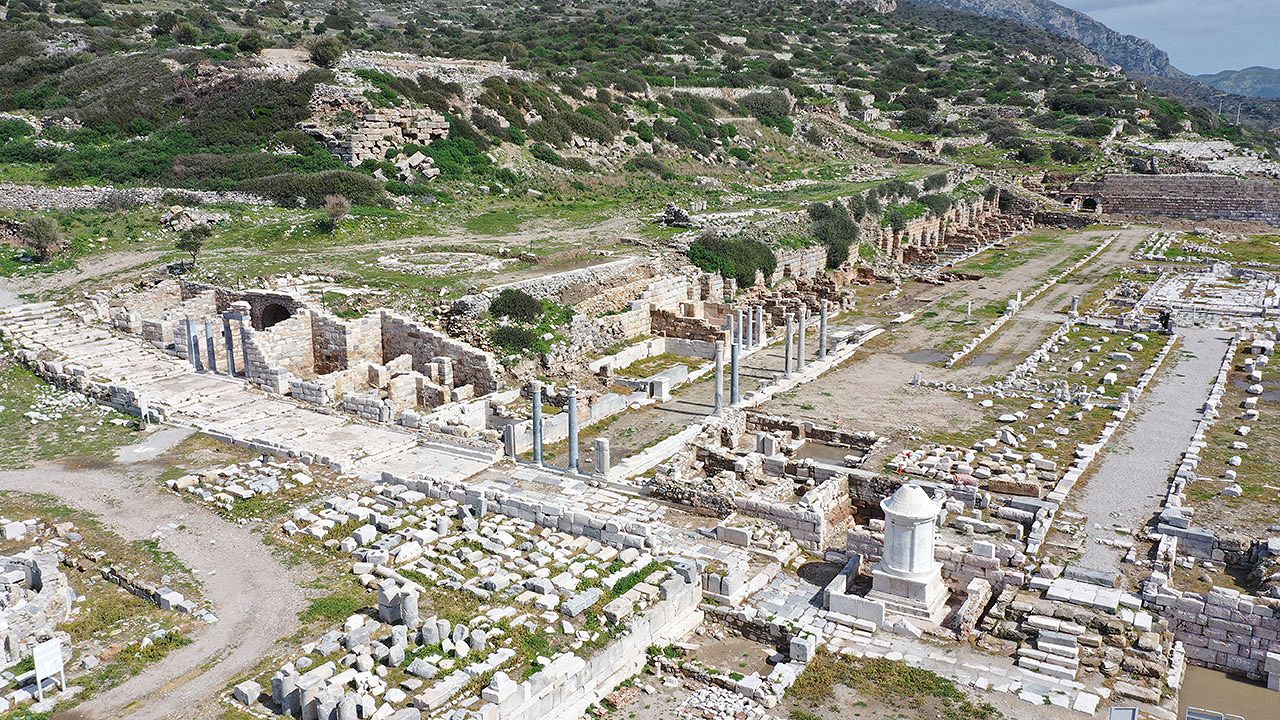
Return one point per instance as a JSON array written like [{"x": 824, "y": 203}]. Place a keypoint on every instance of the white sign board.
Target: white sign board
[{"x": 48, "y": 657}]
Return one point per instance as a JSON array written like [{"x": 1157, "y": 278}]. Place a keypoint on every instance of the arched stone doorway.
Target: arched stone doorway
[{"x": 273, "y": 314}]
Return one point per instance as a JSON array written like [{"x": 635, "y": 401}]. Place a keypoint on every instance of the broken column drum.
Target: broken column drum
[{"x": 908, "y": 579}]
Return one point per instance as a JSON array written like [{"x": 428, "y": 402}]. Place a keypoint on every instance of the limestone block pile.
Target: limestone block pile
[
  {"x": 1078, "y": 627},
  {"x": 225, "y": 486},
  {"x": 380, "y": 130},
  {"x": 570, "y": 593}
]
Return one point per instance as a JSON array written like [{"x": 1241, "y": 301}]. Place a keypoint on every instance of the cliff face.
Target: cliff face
[
  {"x": 1260, "y": 82},
  {"x": 1131, "y": 53}
]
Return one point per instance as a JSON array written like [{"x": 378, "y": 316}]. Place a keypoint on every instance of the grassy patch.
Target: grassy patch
[
  {"x": 74, "y": 426},
  {"x": 649, "y": 366},
  {"x": 892, "y": 682},
  {"x": 334, "y": 608}
]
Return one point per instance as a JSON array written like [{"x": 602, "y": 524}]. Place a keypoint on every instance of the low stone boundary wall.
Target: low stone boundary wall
[
  {"x": 575, "y": 522},
  {"x": 1015, "y": 306},
  {"x": 570, "y": 684}
]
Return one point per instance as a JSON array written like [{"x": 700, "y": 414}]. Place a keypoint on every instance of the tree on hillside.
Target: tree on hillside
[
  {"x": 192, "y": 241},
  {"x": 336, "y": 207},
  {"x": 44, "y": 237},
  {"x": 326, "y": 51}
]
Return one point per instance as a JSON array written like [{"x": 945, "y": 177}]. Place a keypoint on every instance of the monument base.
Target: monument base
[{"x": 924, "y": 599}]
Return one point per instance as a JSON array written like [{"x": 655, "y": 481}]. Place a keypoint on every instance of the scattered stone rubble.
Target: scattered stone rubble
[
  {"x": 574, "y": 590},
  {"x": 225, "y": 486}
]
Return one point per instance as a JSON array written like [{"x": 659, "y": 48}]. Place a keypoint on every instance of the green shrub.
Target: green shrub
[
  {"x": 1067, "y": 153},
  {"x": 543, "y": 152},
  {"x": 457, "y": 158},
  {"x": 516, "y": 304},
  {"x": 650, "y": 164},
  {"x": 833, "y": 227},
  {"x": 512, "y": 339},
  {"x": 313, "y": 187},
  {"x": 11, "y": 129},
  {"x": 326, "y": 51},
  {"x": 738, "y": 258},
  {"x": 938, "y": 203}
]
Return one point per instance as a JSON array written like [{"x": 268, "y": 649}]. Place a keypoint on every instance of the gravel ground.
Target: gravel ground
[
  {"x": 256, "y": 598},
  {"x": 1134, "y": 471}
]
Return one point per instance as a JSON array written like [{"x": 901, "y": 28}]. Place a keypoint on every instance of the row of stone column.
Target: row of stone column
[
  {"x": 795, "y": 361},
  {"x": 601, "y": 454},
  {"x": 202, "y": 347},
  {"x": 746, "y": 332}
]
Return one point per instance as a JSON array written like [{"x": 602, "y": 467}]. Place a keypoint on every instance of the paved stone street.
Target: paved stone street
[{"x": 1130, "y": 482}]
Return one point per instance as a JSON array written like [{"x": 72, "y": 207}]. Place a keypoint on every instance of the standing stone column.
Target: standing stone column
[
  {"x": 193, "y": 344},
  {"x": 822, "y": 330},
  {"x": 1075, "y": 304},
  {"x": 738, "y": 329},
  {"x": 536, "y": 394},
  {"x": 735, "y": 360},
  {"x": 760, "y": 338},
  {"x": 229, "y": 341},
  {"x": 786, "y": 357},
  {"x": 209, "y": 347},
  {"x": 751, "y": 323},
  {"x": 573, "y": 428},
  {"x": 804, "y": 321},
  {"x": 719, "y": 376}
]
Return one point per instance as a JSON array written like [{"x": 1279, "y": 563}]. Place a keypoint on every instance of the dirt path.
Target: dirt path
[
  {"x": 256, "y": 598},
  {"x": 90, "y": 268},
  {"x": 1031, "y": 325}
]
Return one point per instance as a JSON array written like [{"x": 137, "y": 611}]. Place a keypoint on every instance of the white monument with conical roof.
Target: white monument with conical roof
[{"x": 908, "y": 580}]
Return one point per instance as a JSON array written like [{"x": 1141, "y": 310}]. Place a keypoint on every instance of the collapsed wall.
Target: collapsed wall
[{"x": 36, "y": 598}]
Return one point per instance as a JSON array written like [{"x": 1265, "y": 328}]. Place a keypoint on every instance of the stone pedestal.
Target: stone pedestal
[{"x": 908, "y": 580}]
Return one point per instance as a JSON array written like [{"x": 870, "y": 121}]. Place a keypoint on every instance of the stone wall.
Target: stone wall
[
  {"x": 800, "y": 263},
  {"x": 1198, "y": 197},
  {"x": 288, "y": 345},
  {"x": 1222, "y": 629},
  {"x": 29, "y": 197},
  {"x": 801, "y": 429},
  {"x": 471, "y": 365},
  {"x": 563, "y": 286},
  {"x": 537, "y": 510}
]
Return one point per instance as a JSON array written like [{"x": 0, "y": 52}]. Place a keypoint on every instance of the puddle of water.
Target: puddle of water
[
  {"x": 1242, "y": 383},
  {"x": 925, "y": 357},
  {"x": 1219, "y": 692},
  {"x": 985, "y": 359}
]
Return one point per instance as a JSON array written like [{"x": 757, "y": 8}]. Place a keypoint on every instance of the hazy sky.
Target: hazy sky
[{"x": 1201, "y": 36}]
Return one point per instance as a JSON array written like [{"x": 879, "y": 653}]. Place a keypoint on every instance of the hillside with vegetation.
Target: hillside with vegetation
[{"x": 559, "y": 118}]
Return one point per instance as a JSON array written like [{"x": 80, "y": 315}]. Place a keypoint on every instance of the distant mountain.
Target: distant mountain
[
  {"x": 1131, "y": 53},
  {"x": 1262, "y": 82}
]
